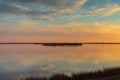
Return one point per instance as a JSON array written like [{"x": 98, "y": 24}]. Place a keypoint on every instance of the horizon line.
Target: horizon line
[{"x": 59, "y": 42}]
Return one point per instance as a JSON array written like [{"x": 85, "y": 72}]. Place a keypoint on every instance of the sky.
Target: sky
[{"x": 59, "y": 20}]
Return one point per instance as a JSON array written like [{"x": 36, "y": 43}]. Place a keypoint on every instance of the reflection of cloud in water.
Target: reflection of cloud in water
[{"x": 48, "y": 68}]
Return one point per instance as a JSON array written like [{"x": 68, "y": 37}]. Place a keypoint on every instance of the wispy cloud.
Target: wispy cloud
[
  {"x": 112, "y": 9},
  {"x": 107, "y": 10},
  {"x": 50, "y": 9},
  {"x": 39, "y": 9}
]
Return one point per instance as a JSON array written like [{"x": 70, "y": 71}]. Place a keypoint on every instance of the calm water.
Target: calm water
[{"x": 37, "y": 60}]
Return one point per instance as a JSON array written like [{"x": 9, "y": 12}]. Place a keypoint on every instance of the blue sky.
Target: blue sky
[{"x": 66, "y": 20}]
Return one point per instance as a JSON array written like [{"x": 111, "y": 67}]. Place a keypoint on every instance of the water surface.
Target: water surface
[{"x": 37, "y": 60}]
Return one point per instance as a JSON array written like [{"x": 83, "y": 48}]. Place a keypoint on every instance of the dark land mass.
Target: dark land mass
[
  {"x": 62, "y": 44},
  {"x": 105, "y": 74}
]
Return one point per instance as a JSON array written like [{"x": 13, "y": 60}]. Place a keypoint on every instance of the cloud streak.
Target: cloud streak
[{"x": 112, "y": 9}]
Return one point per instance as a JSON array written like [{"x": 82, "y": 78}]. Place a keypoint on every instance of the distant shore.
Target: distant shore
[{"x": 58, "y": 44}]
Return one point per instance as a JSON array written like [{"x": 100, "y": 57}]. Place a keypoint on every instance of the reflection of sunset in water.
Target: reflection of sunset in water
[
  {"x": 31, "y": 54},
  {"x": 37, "y": 59}
]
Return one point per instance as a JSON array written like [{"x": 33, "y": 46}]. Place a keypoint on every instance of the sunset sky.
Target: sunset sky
[{"x": 59, "y": 20}]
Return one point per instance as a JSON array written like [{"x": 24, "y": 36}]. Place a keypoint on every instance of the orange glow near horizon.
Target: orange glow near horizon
[{"x": 70, "y": 32}]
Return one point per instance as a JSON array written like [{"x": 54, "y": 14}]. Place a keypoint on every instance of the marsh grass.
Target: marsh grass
[{"x": 110, "y": 72}]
